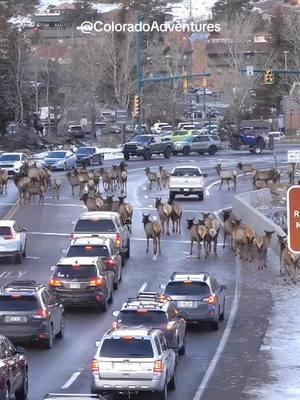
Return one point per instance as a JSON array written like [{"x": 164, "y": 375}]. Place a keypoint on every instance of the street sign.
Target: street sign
[
  {"x": 293, "y": 156},
  {"x": 293, "y": 218},
  {"x": 121, "y": 117},
  {"x": 84, "y": 121},
  {"x": 250, "y": 71}
]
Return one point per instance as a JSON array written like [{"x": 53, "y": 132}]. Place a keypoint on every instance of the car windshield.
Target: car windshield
[
  {"x": 85, "y": 150},
  {"x": 88, "y": 251},
  {"x": 75, "y": 271},
  {"x": 56, "y": 154},
  {"x": 140, "y": 317},
  {"x": 187, "y": 288},
  {"x": 10, "y": 157},
  {"x": 18, "y": 302},
  {"x": 186, "y": 172},
  {"x": 141, "y": 139},
  {"x": 95, "y": 226},
  {"x": 126, "y": 347},
  {"x": 75, "y": 128}
]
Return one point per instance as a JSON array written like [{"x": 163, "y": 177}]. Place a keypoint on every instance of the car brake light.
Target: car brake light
[
  {"x": 72, "y": 236},
  {"x": 210, "y": 300},
  {"x": 187, "y": 282},
  {"x": 127, "y": 338},
  {"x": 142, "y": 311},
  {"x": 54, "y": 282},
  {"x": 110, "y": 262},
  {"x": 170, "y": 326},
  {"x": 41, "y": 314},
  {"x": 88, "y": 247},
  {"x": 158, "y": 366},
  {"x": 96, "y": 282},
  {"x": 95, "y": 366},
  {"x": 118, "y": 240},
  {"x": 11, "y": 236}
]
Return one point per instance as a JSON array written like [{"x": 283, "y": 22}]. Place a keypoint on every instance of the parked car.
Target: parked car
[
  {"x": 134, "y": 360},
  {"x": 30, "y": 312},
  {"x": 144, "y": 130},
  {"x": 76, "y": 131},
  {"x": 179, "y": 135},
  {"x": 12, "y": 162},
  {"x": 106, "y": 129},
  {"x": 89, "y": 155},
  {"x": 187, "y": 180},
  {"x": 59, "y": 159},
  {"x": 13, "y": 240},
  {"x": 157, "y": 126},
  {"x": 150, "y": 309},
  {"x": 13, "y": 371},
  {"x": 199, "y": 295},
  {"x": 104, "y": 224},
  {"x": 276, "y": 135},
  {"x": 98, "y": 247},
  {"x": 200, "y": 144},
  {"x": 166, "y": 130},
  {"x": 147, "y": 145},
  {"x": 82, "y": 281}
]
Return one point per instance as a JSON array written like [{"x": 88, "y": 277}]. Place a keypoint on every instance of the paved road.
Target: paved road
[{"x": 248, "y": 298}]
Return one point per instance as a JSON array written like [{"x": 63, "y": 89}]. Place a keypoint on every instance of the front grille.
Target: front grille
[
  {"x": 6, "y": 165},
  {"x": 131, "y": 147}
]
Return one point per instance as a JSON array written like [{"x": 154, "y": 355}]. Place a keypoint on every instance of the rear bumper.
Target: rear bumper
[
  {"x": 187, "y": 191},
  {"x": 116, "y": 385},
  {"x": 195, "y": 315},
  {"x": 19, "y": 334},
  {"x": 9, "y": 253},
  {"x": 71, "y": 298}
]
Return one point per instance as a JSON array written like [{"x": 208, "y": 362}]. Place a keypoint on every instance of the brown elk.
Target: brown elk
[
  {"x": 112, "y": 205},
  {"x": 126, "y": 212},
  {"x": 214, "y": 225},
  {"x": 289, "y": 262},
  {"x": 30, "y": 191},
  {"x": 153, "y": 177},
  {"x": 75, "y": 179},
  {"x": 176, "y": 216},
  {"x": 243, "y": 237},
  {"x": 165, "y": 176},
  {"x": 152, "y": 231},
  {"x": 92, "y": 202},
  {"x": 198, "y": 233},
  {"x": 122, "y": 176},
  {"x": 3, "y": 181},
  {"x": 228, "y": 227},
  {"x": 245, "y": 168},
  {"x": 107, "y": 179},
  {"x": 114, "y": 177},
  {"x": 271, "y": 174},
  {"x": 55, "y": 186},
  {"x": 226, "y": 175},
  {"x": 164, "y": 212},
  {"x": 262, "y": 244}
]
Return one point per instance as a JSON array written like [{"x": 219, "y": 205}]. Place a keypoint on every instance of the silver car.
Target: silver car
[
  {"x": 198, "y": 296},
  {"x": 59, "y": 159},
  {"x": 134, "y": 360},
  {"x": 12, "y": 240},
  {"x": 199, "y": 144}
]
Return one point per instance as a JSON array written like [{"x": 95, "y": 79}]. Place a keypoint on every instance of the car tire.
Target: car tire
[
  {"x": 215, "y": 325},
  {"x": 162, "y": 395},
  {"x": 212, "y": 150},
  {"x": 116, "y": 285},
  {"x": 186, "y": 151},
  {"x": 182, "y": 349},
  {"x": 201, "y": 196},
  {"x": 167, "y": 153},
  {"x": 147, "y": 155},
  {"x": 19, "y": 258},
  {"x": 257, "y": 150},
  {"x": 24, "y": 251},
  {"x": 126, "y": 156},
  {"x": 61, "y": 333},
  {"x": 48, "y": 343},
  {"x": 172, "y": 383},
  {"x": 128, "y": 249},
  {"x": 111, "y": 298},
  {"x": 174, "y": 153},
  {"x": 222, "y": 315},
  {"x": 172, "y": 196},
  {"x": 22, "y": 392}
]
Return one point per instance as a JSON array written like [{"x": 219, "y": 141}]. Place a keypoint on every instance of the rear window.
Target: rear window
[
  {"x": 88, "y": 251},
  {"x": 215, "y": 137},
  {"x": 4, "y": 231},
  {"x": 187, "y": 288},
  {"x": 126, "y": 348},
  {"x": 133, "y": 317},
  {"x": 75, "y": 271},
  {"x": 18, "y": 303},
  {"x": 95, "y": 226},
  {"x": 186, "y": 172}
]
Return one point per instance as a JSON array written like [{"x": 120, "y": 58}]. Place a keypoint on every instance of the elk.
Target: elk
[
  {"x": 3, "y": 180},
  {"x": 198, "y": 233},
  {"x": 210, "y": 236},
  {"x": 74, "y": 180},
  {"x": 107, "y": 179},
  {"x": 126, "y": 212},
  {"x": 266, "y": 175},
  {"x": 114, "y": 177},
  {"x": 228, "y": 227},
  {"x": 112, "y": 205},
  {"x": 21, "y": 182},
  {"x": 165, "y": 176},
  {"x": 243, "y": 238},
  {"x": 213, "y": 224},
  {"x": 92, "y": 202},
  {"x": 262, "y": 244},
  {"x": 153, "y": 177},
  {"x": 55, "y": 186},
  {"x": 259, "y": 184},
  {"x": 122, "y": 176},
  {"x": 289, "y": 262},
  {"x": 152, "y": 231},
  {"x": 245, "y": 168},
  {"x": 226, "y": 175},
  {"x": 291, "y": 173},
  {"x": 176, "y": 216},
  {"x": 164, "y": 213},
  {"x": 30, "y": 191}
]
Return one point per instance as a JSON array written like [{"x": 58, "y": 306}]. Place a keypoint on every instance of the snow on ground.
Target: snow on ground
[{"x": 281, "y": 347}]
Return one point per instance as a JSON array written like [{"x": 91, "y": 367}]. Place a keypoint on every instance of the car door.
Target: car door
[
  {"x": 18, "y": 370},
  {"x": 178, "y": 323},
  {"x": 21, "y": 236},
  {"x": 108, "y": 276},
  {"x": 56, "y": 310},
  {"x": 203, "y": 143},
  {"x": 10, "y": 360},
  {"x": 195, "y": 143},
  {"x": 50, "y": 308},
  {"x": 167, "y": 356}
]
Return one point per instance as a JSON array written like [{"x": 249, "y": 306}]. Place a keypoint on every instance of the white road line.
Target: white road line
[
  {"x": 33, "y": 258},
  {"x": 3, "y": 273},
  {"x": 71, "y": 380},
  {"x": 143, "y": 287},
  {"x": 212, "y": 366},
  {"x": 49, "y": 233}
]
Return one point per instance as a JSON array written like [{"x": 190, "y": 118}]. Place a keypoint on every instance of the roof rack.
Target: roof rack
[
  {"x": 188, "y": 274},
  {"x": 154, "y": 296},
  {"x": 21, "y": 285}
]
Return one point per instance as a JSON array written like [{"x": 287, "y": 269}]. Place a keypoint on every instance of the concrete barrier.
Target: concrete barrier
[{"x": 244, "y": 207}]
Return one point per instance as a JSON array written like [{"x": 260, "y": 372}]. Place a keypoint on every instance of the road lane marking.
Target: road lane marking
[
  {"x": 2, "y": 274},
  {"x": 32, "y": 257},
  {"x": 72, "y": 379},
  {"x": 143, "y": 287}
]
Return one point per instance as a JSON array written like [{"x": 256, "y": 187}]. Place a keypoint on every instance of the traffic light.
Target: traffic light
[
  {"x": 269, "y": 77},
  {"x": 136, "y": 105}
]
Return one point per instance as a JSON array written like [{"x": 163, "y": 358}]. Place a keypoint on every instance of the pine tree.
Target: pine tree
[{"x": 230, "y": 9}]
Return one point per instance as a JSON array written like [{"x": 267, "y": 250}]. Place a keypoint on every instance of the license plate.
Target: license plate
[
  {"x": 74, "y": 285},
  {"x": 12, "y": 318},
  {"x": 127, "y": 367},
  {"x": 186, "y": 304},
  {"x": 186, "y": 190}
]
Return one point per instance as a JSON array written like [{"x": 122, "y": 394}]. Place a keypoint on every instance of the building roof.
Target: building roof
[{"x": 64, "y": 6}]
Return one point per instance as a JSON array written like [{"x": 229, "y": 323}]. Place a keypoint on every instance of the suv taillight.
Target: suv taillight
[
  {"x": 72, "y": 236},
  {"x": 109, "y": 262},
  {"x": 95, "y": 366},
  {"x": 96, "y": 282},
  {"x": 118, "y": 241},
  {"x": 158, "y": 367},
  {"x": 54, "y": 282},
  {"x": 210, "y": 300},
  {"x": 11, "y": 236},
  {"x": 41, "y": 314}
]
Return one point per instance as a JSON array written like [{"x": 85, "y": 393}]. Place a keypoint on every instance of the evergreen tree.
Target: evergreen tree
[{"x": 230, "y": 9}]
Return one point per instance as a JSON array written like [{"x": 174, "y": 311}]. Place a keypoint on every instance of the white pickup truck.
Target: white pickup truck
[{"x": 187, "y": 181}]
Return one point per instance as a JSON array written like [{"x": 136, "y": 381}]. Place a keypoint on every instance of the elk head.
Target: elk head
[
  {"x": 121, "y": 199},
  {"x": 146, "y": 219},
  {"x": 157, "y": 202},
  {"x": 190, "y": 223}
]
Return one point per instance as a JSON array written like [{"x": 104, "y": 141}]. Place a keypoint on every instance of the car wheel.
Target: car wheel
[
  {"x": 222, "y": 315},
  {"x": 147, "y": 155},
  {"x": 116, "y": 285},
  {"x": 19, "y": 258},
  {"x": 126, "y": 156},
  {"x": 174, "y": 153},
  {"x": 128, "y": 249},
  {"x": 167, "y": 153},
  {"x": 48, "y": 343},
  {"x": 185, "y": 151},
  {"x": 182, "y": 349},
  {"x": 120, "y": 278},
  {"x": 163, "y": 395},
  {"x": 215, "y": 325},
  {"x": 103, "y": 306},
  {"x": 22, "y": 393},
  {"x": 172, "y": 196},
  {"x": 201, "y": 196},
  {"x": 212, "y": 150},
  {"x": 172, "y": 383},
  {"x": 61, "y": 333},
  {"x": 101, "y": 160},
  {"x": 257, "y": 150},
  {"x": 123, "y": 260},
  {"x": 24, "y": 251},
  {"x": 111, "y": 299}
]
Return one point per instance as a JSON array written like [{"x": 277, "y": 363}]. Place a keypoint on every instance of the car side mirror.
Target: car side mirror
[
  {"x": 24, "y": 230},
  {"x": 162, "y": 287},
  {"x": 20, "y": 350},
  {"x": 223, "y": 287},
  {"x": 52, "y": 268},
  {"x": 115, "y": 313},
  {"x": 205, "y": 175},
  {"x": 97, "y": 343},
  {"x": 63, "y": 251}
]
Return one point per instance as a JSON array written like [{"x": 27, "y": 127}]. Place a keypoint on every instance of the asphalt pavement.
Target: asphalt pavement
[{"x": 216, "y": 364}]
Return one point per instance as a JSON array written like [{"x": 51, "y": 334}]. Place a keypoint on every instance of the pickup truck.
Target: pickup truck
[
  {"x": 187, "y": 180},
  {"x": 146, "y": 146}
]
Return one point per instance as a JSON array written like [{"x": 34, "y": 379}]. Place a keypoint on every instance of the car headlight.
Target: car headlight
[
  {"x": 60, "y": 162},
  {"x": 178, "y": 146},
  {"x": 140, "y": 147}
]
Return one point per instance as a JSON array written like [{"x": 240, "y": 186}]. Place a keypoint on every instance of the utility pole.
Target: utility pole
[{"x": 138, "y": 70}]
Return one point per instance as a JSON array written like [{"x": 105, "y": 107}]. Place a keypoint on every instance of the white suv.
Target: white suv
[
  {"x": 12, "y": 162},
  {"x": 134, "y": 360},
  {"x": 157, "y": 127},
  {"x": 12, "y": 240}
]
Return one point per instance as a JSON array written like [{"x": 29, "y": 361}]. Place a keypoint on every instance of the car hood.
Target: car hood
[{"x": 52, "y": 160}]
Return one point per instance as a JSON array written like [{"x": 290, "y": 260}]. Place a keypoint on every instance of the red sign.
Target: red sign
[{"x": 293, "y": 217}]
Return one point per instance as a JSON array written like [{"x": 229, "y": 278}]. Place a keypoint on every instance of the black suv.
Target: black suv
[
  {"x": 13, "y": 371},
  {"x": 30, "y": 312}
]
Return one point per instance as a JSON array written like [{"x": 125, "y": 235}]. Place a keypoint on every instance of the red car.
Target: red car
[{"x": 13, "y": 371}]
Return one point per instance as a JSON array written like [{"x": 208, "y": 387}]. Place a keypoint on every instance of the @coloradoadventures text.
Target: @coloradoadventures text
[{"x": 99, "y": 26}]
